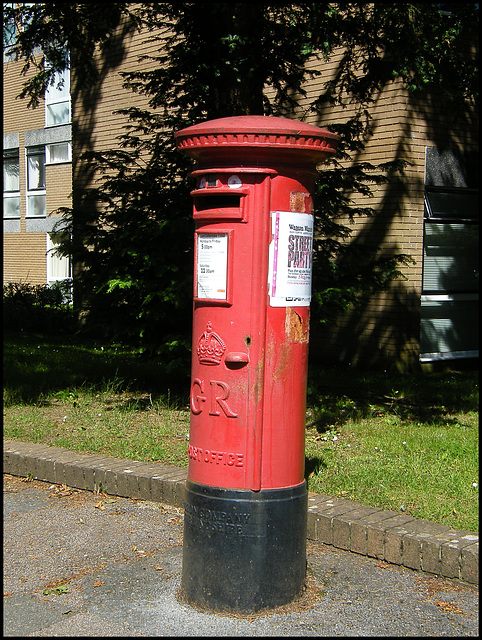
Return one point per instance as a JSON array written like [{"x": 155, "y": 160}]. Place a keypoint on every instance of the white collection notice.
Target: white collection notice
[
  {"x": 212, "y": 266},
  {"x": 290, "y": 259}
]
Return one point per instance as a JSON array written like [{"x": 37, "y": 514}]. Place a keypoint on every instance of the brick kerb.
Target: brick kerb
[
  {"x": 403, "y": 544},
  {"x": 383, "y": 534}
]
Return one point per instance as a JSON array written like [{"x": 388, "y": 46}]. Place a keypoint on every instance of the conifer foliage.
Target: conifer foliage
[{"x": 131, "y": 220}]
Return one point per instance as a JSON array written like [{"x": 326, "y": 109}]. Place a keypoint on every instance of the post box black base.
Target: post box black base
[{"x": 243, "y": 550}]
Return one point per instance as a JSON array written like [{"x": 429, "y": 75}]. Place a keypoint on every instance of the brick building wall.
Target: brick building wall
[
  {"x": 24, "y": 258},
  {"x": 385, "y": 329},
  {"x": 25, "y": 239},
  {"x": 96, "y": 123}
]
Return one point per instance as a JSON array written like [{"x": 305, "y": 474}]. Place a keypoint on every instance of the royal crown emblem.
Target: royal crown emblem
[{"x": 210, "y": 347}]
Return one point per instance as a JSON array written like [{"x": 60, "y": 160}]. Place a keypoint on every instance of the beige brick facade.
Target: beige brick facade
[
  {"x": 25, "y": 240},
  {"x": 16, "y": 116},
  {"x": 386, "y": 328},
  {"x": 24, "y": 258}
]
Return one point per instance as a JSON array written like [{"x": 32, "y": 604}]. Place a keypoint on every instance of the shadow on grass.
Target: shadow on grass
[
  {"x": 337, "y": 395},
  {"x": 314, "y": 464},
  {"x": 37, "y": 367}
]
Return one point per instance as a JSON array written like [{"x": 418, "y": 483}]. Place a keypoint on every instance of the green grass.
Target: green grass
[
  {"x": 124, "y": 425},
  {"x": 426, "y": 470},
  {"x": 407, "y": 442}
]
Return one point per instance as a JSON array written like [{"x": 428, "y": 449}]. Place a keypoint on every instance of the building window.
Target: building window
[
  {"x": 59, "y": 268},
  {"x": 9, "y": 29},
  {"x": 36, "y": 198},
  {"x": 57, "y": 100},
  {"x": 11, "y": 184},
  {"x": 58, "y": 153},
  {"x": 449, "y": 309}
]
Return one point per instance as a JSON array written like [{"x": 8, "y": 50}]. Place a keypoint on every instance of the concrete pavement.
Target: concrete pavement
[
  {"x": 79, "y": 563},
  {"x": 385, "y": 535}
]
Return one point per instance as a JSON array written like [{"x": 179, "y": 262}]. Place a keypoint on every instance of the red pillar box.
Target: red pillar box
[{"x": 246, "y": 498}]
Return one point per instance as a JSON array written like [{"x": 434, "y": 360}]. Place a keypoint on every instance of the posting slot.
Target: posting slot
[{"x": 223, "y": 205}]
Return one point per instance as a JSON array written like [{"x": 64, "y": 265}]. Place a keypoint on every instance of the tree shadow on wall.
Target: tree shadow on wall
[
  {"x": 383, "y": 328},
  {"x": 381, "y": 331}
]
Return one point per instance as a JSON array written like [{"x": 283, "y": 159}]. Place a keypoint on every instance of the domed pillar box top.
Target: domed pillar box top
[{"x": 257, "y": 141}]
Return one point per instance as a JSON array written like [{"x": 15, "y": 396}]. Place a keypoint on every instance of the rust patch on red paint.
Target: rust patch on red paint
[
  {"x": 284, "y": 361},
  {"x": 258, "y": 379},
  {"x": 298, "y": 201},
  {"x": 296, "y": 330}
]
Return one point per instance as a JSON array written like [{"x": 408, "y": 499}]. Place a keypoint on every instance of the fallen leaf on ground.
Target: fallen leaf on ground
[
  {"x": 62, "y": 491},
  {"x": 97, "y": 583},
  {"x": 448, "y": 607}
]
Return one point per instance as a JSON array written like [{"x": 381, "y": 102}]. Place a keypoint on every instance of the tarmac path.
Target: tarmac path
[{"x": 78, "y": 563}]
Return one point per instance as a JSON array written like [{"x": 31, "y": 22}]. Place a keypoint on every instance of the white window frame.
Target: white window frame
[
  {"x": 51, "y": 257},
  {"x": 13, "y": 35},
  {"x": 35, "y": 192},
  {"x": 449, "y": 355},
  {"x": 15, "y": 193},
  {"x": 52, "y": 97},
  {"x": 48, "y": 153}
]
